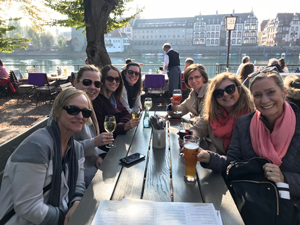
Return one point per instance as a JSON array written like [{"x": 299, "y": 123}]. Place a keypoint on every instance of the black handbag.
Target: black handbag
[{"x": 256, "y": 197}]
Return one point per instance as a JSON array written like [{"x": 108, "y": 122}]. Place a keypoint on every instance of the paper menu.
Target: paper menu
[{"x": 156, "y": 213}]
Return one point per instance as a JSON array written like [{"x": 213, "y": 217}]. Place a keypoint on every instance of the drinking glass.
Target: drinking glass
[
  {"x": 177, "y": 96},
  {"x": 148, "y": 103},
  {"x": 135, "y": 113},
  {"x": 150, "y": 71},
  {"x": 110, "y": 126},
  {"x": 65, "y": 71},
  {"x": 190, "y": 148}
]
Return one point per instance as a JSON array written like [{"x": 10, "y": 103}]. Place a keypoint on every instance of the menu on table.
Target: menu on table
[{"x": 156, "y": 213}]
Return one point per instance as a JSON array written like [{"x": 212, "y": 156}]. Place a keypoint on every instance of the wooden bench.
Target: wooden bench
[{"x": 7, "y": 148}]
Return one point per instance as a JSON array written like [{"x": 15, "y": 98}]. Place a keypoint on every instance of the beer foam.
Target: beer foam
[
  {"x": 177, "y": 94},
  {"x": 191, "y": 146}
]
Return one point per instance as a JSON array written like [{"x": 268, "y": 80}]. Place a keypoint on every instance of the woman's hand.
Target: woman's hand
[
  {"x": 273, "y": 173},
  {"x": 132, "y": 123},
  {"x": 103, "y": 139},
  {"x": 203, "y": 156},
  {"x": 70, "y": 212},
  {"x": 174, "y": 104}
]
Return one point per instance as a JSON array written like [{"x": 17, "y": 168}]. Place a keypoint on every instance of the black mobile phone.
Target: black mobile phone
[{"x": 132, "y": 158}]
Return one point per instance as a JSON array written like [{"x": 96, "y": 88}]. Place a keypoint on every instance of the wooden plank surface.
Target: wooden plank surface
[
  {"x": 7, "y": 148},
  {"x": 158, "y": 184},
  {"x": 214, "y": 190},
  {"x": 103, "y": 184},
  {"x": 182, "y": 191},
  {"x": 131, "y": 181}
]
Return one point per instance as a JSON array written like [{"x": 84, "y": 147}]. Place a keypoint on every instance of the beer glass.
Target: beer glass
[
  {"x": 177, "y": 96},
  {"x": 190, "y": 148}
]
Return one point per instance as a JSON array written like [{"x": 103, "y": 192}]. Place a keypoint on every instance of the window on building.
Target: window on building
[
  {"x": 240, "y": 27},
  {"x": 239, "y": 34},
  {"x": 217, "y": 34},
  {"x": 212, "y": 41},
  {"x": 208, "y": 41},
  {"x": 202, "y": 41},
  {"x": 233, "y": 41},
  {"x": 234, "y": 34},
  {"x": 252, "y": 40},
  {"x": 212, "y": 35},
  {"x": 246, "y": 41},
  {"x": 202, "y": 35},
  {"x": 246, "y": 34},
  {"x": 253, "y": 27},
  {"x": 208, "y": 35},
  {"x": 213, "y": 28},
  {"x": 217, "y": 28},
  {"x": 253, "y": 33},
  {"x": 217, "y": 41},
  {"x": 239, "y": 41}
]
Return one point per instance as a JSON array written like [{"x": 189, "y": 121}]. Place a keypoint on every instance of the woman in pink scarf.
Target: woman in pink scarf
[
  {"x": 272, "y": 132},
  {"x": 226, "y": 100}
]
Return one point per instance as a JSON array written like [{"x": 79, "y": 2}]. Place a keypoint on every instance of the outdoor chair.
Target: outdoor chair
[
  {"x": 155, "y": 83},
  {"x": 42, "y": 87},
  {"x": 29, "y": 87}
]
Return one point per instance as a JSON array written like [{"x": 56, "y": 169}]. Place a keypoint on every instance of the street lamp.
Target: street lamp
[{"x": 229, "y": 25}]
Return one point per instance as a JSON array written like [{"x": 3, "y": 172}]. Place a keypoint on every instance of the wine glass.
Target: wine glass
[
  {"x": 177, "y": 96},
  {"x": 110, "y": 126},
  {"x": 148, "y": 103},
  {"x": 135, "y": 113}
]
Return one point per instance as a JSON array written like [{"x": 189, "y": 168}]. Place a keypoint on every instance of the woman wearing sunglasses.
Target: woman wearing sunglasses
[
  {"x": 131, "y": 96},
  {"x": 272, "y": 132},
  {"x": 108, "y": 101},
  {"x": 88, "y": 80},
  {"x": 195, "y": 78},
  {"x": 43, "y": 180},
  {"x": 226, "y": 100}
]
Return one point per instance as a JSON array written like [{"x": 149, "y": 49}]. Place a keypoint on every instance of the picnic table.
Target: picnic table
[{"x": 158, "y": 178}]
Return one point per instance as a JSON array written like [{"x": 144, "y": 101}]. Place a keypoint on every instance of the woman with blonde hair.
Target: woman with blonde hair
[
  {"x": 226, "y": 100},
  {"x": 43, "y": 180}
]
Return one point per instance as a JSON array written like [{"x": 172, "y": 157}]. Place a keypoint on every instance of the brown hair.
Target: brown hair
[
  {"x": 1, "y": 63},
  {"x": 129, "y": 60},
  {"x": 192, "y": 68},
  {"x": 104, "y": 72},
  {"x": 245, "y": 71},
  {"x": 87, "y": 68},
  {"x": 212, "y": 108},
  {"x": 282, "y": 63}
]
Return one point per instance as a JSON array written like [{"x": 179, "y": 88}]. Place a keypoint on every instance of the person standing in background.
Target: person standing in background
[
  {"x": 171, "y": 64},
  {"x": 245, "y": 60},
  {"x": 283, "y": 65},
  {"x": 87, "y": 61}
]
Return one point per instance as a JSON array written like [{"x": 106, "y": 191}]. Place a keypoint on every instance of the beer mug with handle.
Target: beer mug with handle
[{"x": 190, "y": 149}]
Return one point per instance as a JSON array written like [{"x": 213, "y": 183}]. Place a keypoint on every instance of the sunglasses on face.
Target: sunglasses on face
[
  {"x": 131, "y": 73},
  {"x": 88, "y": 82},
  {"x": 230, "y": 89},
  {"x": 74, "y": 110},
  {"x": 111, "y": 79}
]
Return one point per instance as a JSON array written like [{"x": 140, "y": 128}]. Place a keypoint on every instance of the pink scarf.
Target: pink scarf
[
  {"x": 223, "y": 128},
  {"x": 273, "y": 146}
]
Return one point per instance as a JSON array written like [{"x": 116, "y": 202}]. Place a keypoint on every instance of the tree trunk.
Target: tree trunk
[{"x": 96, "y": 16}]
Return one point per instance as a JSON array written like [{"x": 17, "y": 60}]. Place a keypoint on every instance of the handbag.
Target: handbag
[{"x": 256, "y": 197}]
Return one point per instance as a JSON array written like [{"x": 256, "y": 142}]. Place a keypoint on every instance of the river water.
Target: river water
[{"x": 49, "y": 65}]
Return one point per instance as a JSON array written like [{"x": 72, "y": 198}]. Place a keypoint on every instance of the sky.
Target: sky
[{"x": 262, "y": 9}]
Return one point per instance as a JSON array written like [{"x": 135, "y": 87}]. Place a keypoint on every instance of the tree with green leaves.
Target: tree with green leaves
[
  {"x": 29, "y": 10},
  {"x": 98, "y": 17}
]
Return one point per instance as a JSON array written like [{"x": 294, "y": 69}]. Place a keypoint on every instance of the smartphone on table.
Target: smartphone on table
[{"x": 128, "y": 160}]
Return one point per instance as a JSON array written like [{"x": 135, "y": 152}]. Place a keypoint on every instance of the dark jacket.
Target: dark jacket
[
  {"x": 241, "y": 149},
  {"x": 292, "y": 85},
  {"x": 103, "y": 107}
]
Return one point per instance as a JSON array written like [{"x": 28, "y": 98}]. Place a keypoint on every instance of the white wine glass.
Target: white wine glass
[
  {"x": 148, "y": 103},
  {"x": 110, "y": 126},
  {"x": 135, "y": 113},
  {"x": 177, "y": 96}
]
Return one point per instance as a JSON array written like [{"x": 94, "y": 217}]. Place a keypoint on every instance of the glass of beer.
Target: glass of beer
[
  {"x": 110, "y": 126},
  {"x": 190, "y": 148},
  {"x": 135, "y": 113},
  {"x": 177, "y": 96},
  {"x": 148, "y": 103}
]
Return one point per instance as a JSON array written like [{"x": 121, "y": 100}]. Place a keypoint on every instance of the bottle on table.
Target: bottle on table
[{"x": 146, "y": 118}]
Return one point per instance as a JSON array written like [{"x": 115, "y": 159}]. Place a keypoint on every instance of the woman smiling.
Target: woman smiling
[
  {"x": 108, "y": 101},
  {"x": 225, "y": 101},
  {"x": 195, "y": 78}
]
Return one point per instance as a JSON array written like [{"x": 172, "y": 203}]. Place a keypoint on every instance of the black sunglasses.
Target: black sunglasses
[
  {"x": 88, "y": 82},
  {"x": 131, "y": 72},
  {"x": 111, "y": 79},
  {"x": 230, "y": 89},
  {"x": 74, "y": 110}
]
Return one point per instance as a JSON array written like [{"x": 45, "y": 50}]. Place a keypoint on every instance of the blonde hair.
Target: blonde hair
[
  {"x": 212, "y": 109},
  {"x": 62, "y": 100}
]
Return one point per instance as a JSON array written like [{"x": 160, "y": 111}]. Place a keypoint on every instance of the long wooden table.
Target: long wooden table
[{"x": 158, "y": 178}]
